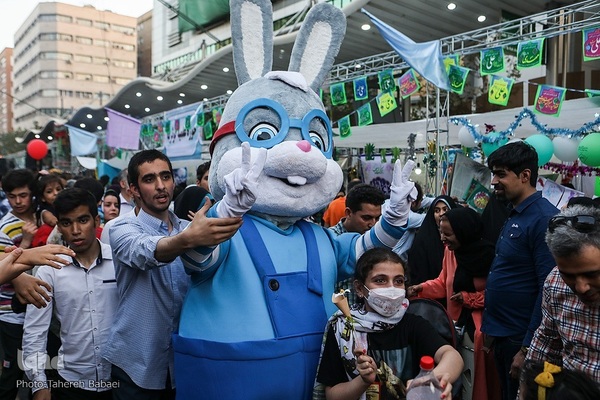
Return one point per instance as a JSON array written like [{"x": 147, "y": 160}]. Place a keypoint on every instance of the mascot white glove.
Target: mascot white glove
[
  {"x": 402, "y": 193},
  {"x": 241, "y": 184}
]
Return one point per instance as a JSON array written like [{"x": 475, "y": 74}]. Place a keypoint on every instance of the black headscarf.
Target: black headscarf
[
  {"x": 493, "y": 217},
  {"x": 190, "y": 199},
  {"x": 475, "y": 254},
  {"x": 427, "y": 251}
]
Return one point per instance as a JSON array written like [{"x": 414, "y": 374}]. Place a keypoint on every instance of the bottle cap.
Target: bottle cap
[{"x": 427, "y": 362}]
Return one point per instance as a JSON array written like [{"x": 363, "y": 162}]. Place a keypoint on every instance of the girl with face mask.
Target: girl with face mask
[{"x": 380, "y": 350}]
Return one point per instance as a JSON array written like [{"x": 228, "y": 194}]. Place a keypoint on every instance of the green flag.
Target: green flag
[
  {"x": 208, "y": 130},
  {"x": 338, "y": 94},
  {"x": 529, "y": 54},
  {"x": 361, "y": 90},
  {"x": 344, "y": 126},
  {"x": 492, "y": 61},
  {"x": 365, "y": 115},
  {"x": 457, "y": 77},
  {"x": 386, "y": 80},
  {"x": 386, "y": 103}
]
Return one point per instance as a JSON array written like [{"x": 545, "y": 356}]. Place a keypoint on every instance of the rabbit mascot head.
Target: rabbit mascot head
[{"x": 281, "y": 112}]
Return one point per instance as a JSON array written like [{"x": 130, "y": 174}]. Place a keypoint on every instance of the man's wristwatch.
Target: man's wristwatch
[{"x": 524, "y": 350}]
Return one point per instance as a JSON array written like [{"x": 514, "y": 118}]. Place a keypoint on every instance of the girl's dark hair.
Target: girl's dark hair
[
  {"x": 370, "y": 258},
  {"x": 43, "y": 181},
  {"x": 568, "y": 384}
]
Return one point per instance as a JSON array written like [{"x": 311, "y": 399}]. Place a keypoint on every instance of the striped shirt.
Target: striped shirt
[
  {"x": 11, "y": 234},
  {"x": 569, "y": 334}
]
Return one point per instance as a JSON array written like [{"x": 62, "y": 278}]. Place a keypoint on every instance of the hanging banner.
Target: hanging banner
[
  {"x": 208, "y": 130},
  {"x": 454, "y": 59},
  {"x": 82, "y": 142},
  {"x": 458, "y": 78},
  {"x": 549, "y": 99},
  {"x": 491, "y": 61},
  {"x": 377, "y": 172},
  {"x": 529, "y": 54},
  {"x": 591, "y": 44},
  {"x": 338, "y": 94},
  {"x": 386, "y": 103},
  {"x": 365, "y": 115},
  {"x": 408, "y": 83},
  {"x": 122, "y": 131},
  {"x": 361, "y": 91},
  {"x": 499, "y": 90},
  {"x": 344, "y": 127},
  {"x": 386, "y": 81},
  {"x": 183, "y": 138},
  {"x": 216, "y": 115}
]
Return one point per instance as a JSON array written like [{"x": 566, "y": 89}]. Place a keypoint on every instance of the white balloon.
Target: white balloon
[
  {"x": 465, "y": 138},
  {"x": 565, "y": 149}
]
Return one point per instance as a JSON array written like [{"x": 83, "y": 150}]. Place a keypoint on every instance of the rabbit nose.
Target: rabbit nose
[{"x": 304, "y": 145}]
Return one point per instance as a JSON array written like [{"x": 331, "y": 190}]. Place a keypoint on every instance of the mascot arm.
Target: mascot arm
[
  {"x": 402, "y": 193},
  {"x": 241, "y": 185}
]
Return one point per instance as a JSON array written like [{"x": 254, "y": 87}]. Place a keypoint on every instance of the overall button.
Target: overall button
[{"x": 274, "y": 285}]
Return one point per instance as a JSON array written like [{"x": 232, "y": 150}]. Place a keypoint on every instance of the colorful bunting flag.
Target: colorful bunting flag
[
  {"x": 592, "y": 93},
  {"x": 529, "y": 54},
  {"x": 453, "y": 59},
  {"x": 591, "y": 44},
  {"x": 458, "y": 78},
  {"x": 344, "y": 126},
  {"x": 365, "y": 115},
  {"x": 549, "y": 99},
  {"x": 207, "y": 130},
  {"x": 386, "y": 103},
  {"x": 491, "y": 61},
  {"x": 408, "y": 83},
  {"x": 386, "y": 81},
  {"x": 499, "y": 90},
  {"x": 338, "y": 94},
  {"x": 200, "y": 119},
  {"x": 361, "y": 90},
  {"x": 216, "y": 115}
]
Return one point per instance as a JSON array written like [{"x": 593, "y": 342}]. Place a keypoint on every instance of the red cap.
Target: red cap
[
  {"x": 427, "y": 363},
  {"x": 226, "y": 129}
]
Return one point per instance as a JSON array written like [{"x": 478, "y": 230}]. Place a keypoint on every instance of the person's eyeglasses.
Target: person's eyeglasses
[{"x": 581, "y": 223}]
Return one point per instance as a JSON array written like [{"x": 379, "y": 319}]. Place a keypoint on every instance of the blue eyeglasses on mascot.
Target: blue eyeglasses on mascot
[{"x": 253, "y": 320}]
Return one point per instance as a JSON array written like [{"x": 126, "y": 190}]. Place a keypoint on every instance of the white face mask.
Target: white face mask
[{"x": 386, "y": 301}]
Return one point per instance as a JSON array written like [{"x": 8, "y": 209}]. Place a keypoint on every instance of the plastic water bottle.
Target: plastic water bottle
[{"x": 425, "y": 386}]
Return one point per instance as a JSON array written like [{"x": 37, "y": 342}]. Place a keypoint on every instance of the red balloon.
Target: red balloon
[{"x": 37, "y": 149}]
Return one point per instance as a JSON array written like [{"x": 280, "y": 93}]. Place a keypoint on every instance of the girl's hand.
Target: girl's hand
[
  {"x": 412, "y": 291},
  {"x": 457, "y": 297},
  {"x": 366, "y": 368}
]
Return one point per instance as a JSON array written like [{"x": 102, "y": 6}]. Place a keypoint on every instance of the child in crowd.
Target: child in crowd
[
  {"x": 111, "y": 205},
  {"x": 381, "y": 350},
  {"x": 48, "y": 186},
  {"x": 546, "y": 381}
]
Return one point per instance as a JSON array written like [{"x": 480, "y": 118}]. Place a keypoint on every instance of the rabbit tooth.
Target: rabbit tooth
[{"x": 296, "y": 180}]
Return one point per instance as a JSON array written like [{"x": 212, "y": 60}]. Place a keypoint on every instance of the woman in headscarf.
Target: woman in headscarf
[
  {"x": 426, "y": 253},
  {"x": 465, "y": 267}
]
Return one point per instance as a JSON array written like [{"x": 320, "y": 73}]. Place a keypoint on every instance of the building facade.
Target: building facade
[
  {"x": 6, "y": 102},
  {"x": 144, "y": 40},
  {"x": 66, "y": 57}
]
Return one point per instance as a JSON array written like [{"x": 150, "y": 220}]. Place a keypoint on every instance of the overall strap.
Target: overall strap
[{"x": 313, "y": 267}]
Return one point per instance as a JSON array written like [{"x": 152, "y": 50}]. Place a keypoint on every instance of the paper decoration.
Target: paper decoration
[
  {"x": 200, "y": 120},
  {"x": 338, "y": 94},
  {"x": 454, "y": 59},
  {"x": 408, "y": 83},
  {"x": 591, "y": 44},
  {"x": 477, "y": 196},
  {"x": 208, "y": 130},
  {"x": 549, "y": 99},
  {"x": 377, "y": 172},
  {"x": 361, "y": 90},
  {"x": 122, "y": 131},
  {"x": 345, "y": 127},
  {"x": 365, "y": 115},
  {"x": 499, "y": 90},
  {"x": 529, "y": 54},
  {"x": 386, "y": 80},
  {"x": 386, "y": 103},
  {"x": 458, "y": 78},
  {"x": 492, "y": 61}
]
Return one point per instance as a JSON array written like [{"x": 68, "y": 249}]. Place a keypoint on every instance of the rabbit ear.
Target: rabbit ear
[
  {"x": 318, "y": 43},
  {"x": 252, "y": 33}
]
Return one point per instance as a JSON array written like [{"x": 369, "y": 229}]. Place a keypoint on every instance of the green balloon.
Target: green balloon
[
  {"x": 543, "y": 147},
  {"x": 589, "y": 150},
  {"x": 489, "y": 148}
]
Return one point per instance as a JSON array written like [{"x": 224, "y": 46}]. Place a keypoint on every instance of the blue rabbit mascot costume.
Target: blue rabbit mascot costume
[{"x": 253, "y": 320}]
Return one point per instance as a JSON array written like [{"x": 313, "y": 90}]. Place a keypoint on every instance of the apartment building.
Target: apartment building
[
  {"x": 66, "y": 57},
  {"x": 6, "y": 103},
  {"x": 144, "y": 40}
]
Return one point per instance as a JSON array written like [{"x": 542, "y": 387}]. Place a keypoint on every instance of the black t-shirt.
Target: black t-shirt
[{"x": 401, "y": 348}]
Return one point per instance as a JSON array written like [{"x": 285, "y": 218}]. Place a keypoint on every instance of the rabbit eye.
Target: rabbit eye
[
  {"x": 263, "y": 132},
  {"x": 318, "y": 140}
]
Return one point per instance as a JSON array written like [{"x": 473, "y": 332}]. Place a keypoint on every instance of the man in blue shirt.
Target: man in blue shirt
[
  {"x": 151, "y": 280},
  {"x": 513, "y": 294}
]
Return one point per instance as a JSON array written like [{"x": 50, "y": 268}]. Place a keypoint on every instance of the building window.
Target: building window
[
  {"x": 103, "y": 43},
  {"x": 55, "y": 55},
  {"x": 101, "y": 78},
  {"x": 123, "y": 46},
  {"x": 56, "y": 36},
  {"x": 82, "y": 58},
  {"x": 84, "y": 22},
  {"x": 84, "y": 40},
  {"x": 100, "y": 60},
  {"x": 123, "y": 64},
  {"x": 102, "y": 25},
  {"x": 83, "y": 77},
  {"x": 123, "y": 29}
]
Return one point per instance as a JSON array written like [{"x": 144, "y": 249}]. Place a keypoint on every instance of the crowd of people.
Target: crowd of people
[{"x": 93, "y": 284}]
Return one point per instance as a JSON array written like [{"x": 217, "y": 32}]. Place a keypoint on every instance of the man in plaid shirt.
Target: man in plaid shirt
[{"x": 569, "y": 334}]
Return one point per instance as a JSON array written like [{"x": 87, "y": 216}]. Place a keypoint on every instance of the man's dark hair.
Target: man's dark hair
[
  {"x": 352, "y": 183},
  {"x": 91, "y": 185},
  {"x": 363, "y": 193},
  {"x": 18, "y": 178},
  {"x": 69, "y": 199},
  {"x": 144, "y": 156},
  {"x": 419, "y": 192},
  {"x": 201, "y": 170},
  {"x": 516, "y": 157},
  {"x": 104, "y": 180}
]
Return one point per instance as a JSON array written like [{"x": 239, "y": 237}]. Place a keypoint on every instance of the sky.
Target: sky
[{"x": 15, "y": 12}]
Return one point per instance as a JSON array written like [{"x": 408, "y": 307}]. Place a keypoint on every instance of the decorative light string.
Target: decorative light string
[{"x": 526, "y": 113}]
